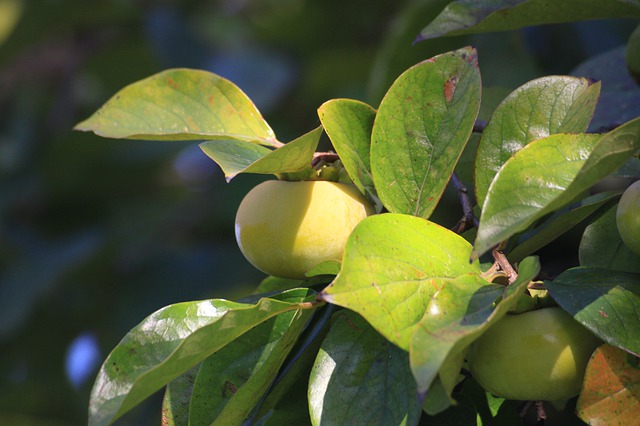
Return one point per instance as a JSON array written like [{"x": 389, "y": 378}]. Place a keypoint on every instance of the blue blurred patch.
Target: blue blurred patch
[{"x": 82, "y": 358}]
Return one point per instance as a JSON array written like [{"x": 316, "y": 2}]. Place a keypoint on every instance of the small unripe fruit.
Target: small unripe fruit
[
  {"x": 287, "y": 228},
  {"x": 537, "y": 355},
  {"x": 628, "y": 217}
]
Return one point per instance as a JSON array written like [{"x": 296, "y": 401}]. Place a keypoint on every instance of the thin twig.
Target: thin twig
[
  {"x": 504, "y": 264},
  {"x": 469, "y": 219},
  {"x": 479, "y": 126},
  {"x": 540, "y": 413},
  {"x": 527, "y": 406}
]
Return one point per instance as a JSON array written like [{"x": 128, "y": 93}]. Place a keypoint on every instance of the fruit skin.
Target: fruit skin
[
  {"x": 286, "y": 228},
  {"x": 628, "y": 217},
  {"x": 539, "y": 355}
]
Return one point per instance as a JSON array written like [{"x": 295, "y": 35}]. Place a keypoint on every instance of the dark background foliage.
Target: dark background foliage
[{"x": 96, "y": 234}]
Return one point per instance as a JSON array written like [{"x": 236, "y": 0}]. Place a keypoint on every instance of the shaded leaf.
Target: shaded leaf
[
  {"x": 492, "y": 410},
  {"x": 360, "y": 378},
  {"x": 437, "y": 399},
  {"x": 422, "y": 126},
  {"x": 539, "y": 108},
  {"x": 602, "y": 247},
  {"x": 470, "y": 17},
  {"x": 234, "y": 156},
  {"x": 604, "y": 301},
  {"x": 180, "y": 104},
  {"x": 558, "y": 224},
  {"x": 463, "y": 413},
  {"x": 620, "y": 97},
  {"x": 456, "y": 316},
  {"x": 611, "y": 390},
  {"x": 173, "y": 340},
  {"x": 348, "y": 124},
  {"x": 548, "y": 174},
  {"x": 392, "y": 265},
  {"x": 231, "y": 381},
  {"x": 177, "y": 397}
]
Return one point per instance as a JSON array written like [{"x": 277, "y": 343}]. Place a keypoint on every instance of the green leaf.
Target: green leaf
[
  {"x": 360, "y": 378},
  {"x": 173, "y": 340},
  {"x": 181, "y": 104},
  {"x": 539, "y": 108},
  {"x": 287, "y": 398},
  {"x": 456, "y": 316},
  {"x": 558, "y": 224},
  {"x": 602, "y": 247},
  {"x": 463, "y": 413},
  {"x": 392, "y": 265},
  {"x": 177, "y": 397},
  {"x": 548, "y": 174},
  {"x": 234, "y": 156},
  {"x": 421, "y": 129},
  {"x": 348, "y": 124},
  {"x": 471, "y": 17},
  {"x": 604, "y": 301},
  {"x": 231, "y": 381},
  {"x": 611, "y": 388}
]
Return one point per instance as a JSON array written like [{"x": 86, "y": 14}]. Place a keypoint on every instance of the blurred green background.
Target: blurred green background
[{"x": 96, "y": 234}]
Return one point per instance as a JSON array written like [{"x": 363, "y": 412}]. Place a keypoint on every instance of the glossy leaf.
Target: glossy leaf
[
  {"x": 456, "y": 316},
  {"x": 470, "y": 17},
  {"x": 611, "y": 390},
  {"x": 602, "y": 247},
  {"x": 177, "y": 398},
  {"x": 539, "y": 108},
  {"x": 548, "y": 174},
  {"x": 181, "y": 104},
  {"x": 236, "y": 157},
  {"x": 348, "y": 124},
  {"x": 171, "y": 341},
  {"x": 392, "y": 265},
  {"x": 360, "y": 378},
  {"x": 558, "y": 224},
  {"x": 422, "y": 126},
  {"x": 604, "y": 301},
  {"x": 232, "y": 381}
]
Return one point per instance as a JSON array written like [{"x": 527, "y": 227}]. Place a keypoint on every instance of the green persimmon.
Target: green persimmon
[
  {"x": 536, "y": 355},
  {"x": 287, "y": 228},
  {"x": 628, "y": 217}
]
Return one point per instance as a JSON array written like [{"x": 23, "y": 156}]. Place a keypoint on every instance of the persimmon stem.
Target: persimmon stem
[{"x": 323, "y": 158}]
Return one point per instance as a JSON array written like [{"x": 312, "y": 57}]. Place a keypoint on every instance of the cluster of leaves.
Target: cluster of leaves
[{"x": 381, "y": 338}]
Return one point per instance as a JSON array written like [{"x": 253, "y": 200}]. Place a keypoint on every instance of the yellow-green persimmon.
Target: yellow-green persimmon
[
  {"x": 536, "y": 355},
  {"x": 628, "y": 217},
  {"x": 286, "y": 228}
]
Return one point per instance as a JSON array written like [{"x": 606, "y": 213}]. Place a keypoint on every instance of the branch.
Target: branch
[
  {"x": 469, "y": 219},
  {"x": 504, "y": 264},
  {"x": 479, "y": 126}
]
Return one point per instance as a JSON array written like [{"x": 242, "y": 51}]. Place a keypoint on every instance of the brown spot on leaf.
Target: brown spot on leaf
[
  {"x": 450, "y": 88},
  {"x": 603, "y": 313},
  {"x": 172, "y": 83},
  {"x": 228, "y": 389}
]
